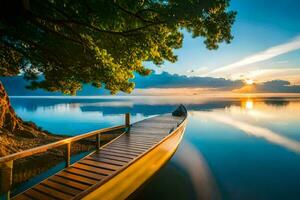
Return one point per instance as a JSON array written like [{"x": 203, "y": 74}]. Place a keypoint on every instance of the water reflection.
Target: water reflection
[
  {"x": 256, "y": 131},
  {"x": 94, "y": 113},
  {"x": 277, "y": 102},
  {"x": 191, "y": 160}
]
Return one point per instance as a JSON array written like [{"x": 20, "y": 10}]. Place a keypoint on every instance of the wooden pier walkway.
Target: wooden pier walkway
[{"x": 89, "y": 174}]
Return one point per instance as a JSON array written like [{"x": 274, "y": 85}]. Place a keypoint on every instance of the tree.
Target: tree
[{"x": 101, "y": 42}]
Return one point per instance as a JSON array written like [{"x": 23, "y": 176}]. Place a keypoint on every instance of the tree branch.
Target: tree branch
[
  {"x": 132, "y": 13},
  {"x": 71, "y": 21}
]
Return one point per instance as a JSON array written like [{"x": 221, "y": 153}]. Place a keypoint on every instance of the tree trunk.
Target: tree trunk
[{"x": 10, "y": 123}]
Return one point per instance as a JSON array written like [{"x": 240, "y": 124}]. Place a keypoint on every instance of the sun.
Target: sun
[{"x": 249, "y": 81}]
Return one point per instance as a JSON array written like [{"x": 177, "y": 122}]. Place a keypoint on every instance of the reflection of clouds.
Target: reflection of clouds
[
  {"x": 110, "y": 103},
  {"x": 195, "y": 165},
  {"x": 256, "y": 131},
  {"x": 60, "y": 107}
]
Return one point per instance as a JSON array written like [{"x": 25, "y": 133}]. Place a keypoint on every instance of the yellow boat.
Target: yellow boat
[{"x": 119, "y": 168}]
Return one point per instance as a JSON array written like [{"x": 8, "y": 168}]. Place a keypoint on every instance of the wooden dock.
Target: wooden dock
[{"x": 103, "y": 175}]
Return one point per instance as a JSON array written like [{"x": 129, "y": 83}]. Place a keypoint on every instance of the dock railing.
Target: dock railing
[{"x": 6, "y": 162}]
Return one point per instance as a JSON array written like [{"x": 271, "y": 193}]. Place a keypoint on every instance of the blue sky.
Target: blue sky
[{"x": 260, "y": 25}]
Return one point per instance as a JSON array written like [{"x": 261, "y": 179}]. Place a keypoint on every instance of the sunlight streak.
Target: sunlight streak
[{"x": 260, "y": 56}]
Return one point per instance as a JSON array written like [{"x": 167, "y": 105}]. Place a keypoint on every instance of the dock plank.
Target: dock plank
[
  {"x": 100, "y": 164},
  {"x": 23, "y": 197},
  {"x": 107, "y": 160},
  {"x": 137, "y": 140},
  {"x": 89, "y": 168},
  {"x": 76, "y": 178},
  {"x": 61, "y": 187},
  {"x": 34, "y": 194},
  {"x": 129, "y": 146},
  {"x": 137, "y": 143},
  {"x": 118, "y": 154},
  {"x": 84, "y": 173},
  {"x": 111, "y": 157},
  {"x": 68, "y": 182},
  {"x": 138, "y": 151},
  {"x": 53, "y": 193}
]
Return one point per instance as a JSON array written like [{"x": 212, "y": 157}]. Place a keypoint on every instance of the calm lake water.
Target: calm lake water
[{"x": 240, "y": 148}]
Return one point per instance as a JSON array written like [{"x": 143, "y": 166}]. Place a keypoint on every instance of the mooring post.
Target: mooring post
[
  {"x": 6, "y": 176},
  {"x": 98, "y": 141},
  {"x": 68, "y": 154},
  {"x": 127, "y": 119}
]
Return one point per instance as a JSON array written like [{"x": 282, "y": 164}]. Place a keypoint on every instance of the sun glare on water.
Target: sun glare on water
[{"x": 249, "y": 104}]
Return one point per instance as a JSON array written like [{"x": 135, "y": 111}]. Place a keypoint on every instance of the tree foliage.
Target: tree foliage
[{"x": 101, "y": 42}]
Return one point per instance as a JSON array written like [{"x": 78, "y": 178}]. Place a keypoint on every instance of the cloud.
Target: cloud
[
  {"x": 281, "y": 62},
  {"x": 274, "y": 86},
  {"x": 279, "y": 86},
  {"x": 290, "y": 74},
  {"x": 163, "y": 83},
  {"x": 167, "y": 80},
  {"x": 260, "y": 56}
]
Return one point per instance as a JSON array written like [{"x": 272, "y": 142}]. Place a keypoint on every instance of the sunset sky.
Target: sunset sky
[
  {"x": 265, "y": 47},
  {"x": 263, "y": 57}
]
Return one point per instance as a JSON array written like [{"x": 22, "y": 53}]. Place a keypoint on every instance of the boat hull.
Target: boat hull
[{"x": 138, "y": 172}]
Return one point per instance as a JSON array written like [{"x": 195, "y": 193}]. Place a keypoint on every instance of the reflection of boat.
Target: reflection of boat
[{"x": 120, "y": 167}]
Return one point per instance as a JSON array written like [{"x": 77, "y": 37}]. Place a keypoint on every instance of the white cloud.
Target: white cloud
[
  {"x": 281, "y": 62},
  {"x": 289, "y": 74},
  {"x": 260, "y": 56}
]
